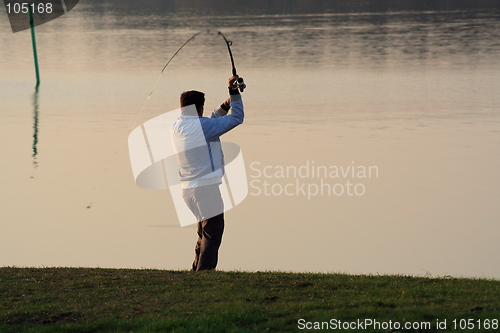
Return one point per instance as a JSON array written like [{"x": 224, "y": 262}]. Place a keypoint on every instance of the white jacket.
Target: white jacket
[{"x": 197, "y": 145}]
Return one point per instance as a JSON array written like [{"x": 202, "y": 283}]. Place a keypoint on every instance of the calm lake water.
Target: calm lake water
[{"x": 413, "y": 95}]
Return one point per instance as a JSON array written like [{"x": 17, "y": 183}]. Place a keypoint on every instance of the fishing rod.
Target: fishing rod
[{"x": 239, "y": 81}]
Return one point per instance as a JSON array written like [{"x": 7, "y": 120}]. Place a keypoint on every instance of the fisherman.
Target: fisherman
[{"x": 201, "y": 165}]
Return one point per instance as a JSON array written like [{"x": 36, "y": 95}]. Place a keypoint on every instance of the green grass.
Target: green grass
[{"x": 126, "y": 300}]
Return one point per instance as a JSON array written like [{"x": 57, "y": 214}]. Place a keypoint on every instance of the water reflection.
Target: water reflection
[
  {"x": 360, "y": 40},
  {"x": 268, "y": 7},
  {"x": 35, "y": 127}
]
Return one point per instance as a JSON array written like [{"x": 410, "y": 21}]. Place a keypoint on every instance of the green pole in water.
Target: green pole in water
[{"x": 33, "y": 40}]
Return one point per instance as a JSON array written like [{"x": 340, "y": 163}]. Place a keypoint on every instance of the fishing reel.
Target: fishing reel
[{"x": 240, "y": 84}]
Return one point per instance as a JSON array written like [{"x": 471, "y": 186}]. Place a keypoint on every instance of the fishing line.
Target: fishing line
[
  {"x": 149, "y": 96},
  {"x": 161, "y": 72},
  {"x": 228, "y": 43}
]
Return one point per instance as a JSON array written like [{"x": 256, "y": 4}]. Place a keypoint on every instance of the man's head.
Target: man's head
[{"x": 193, "y": 97}]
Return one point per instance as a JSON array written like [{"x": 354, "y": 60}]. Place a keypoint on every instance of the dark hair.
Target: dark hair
[{"x": 193, "y": 97}]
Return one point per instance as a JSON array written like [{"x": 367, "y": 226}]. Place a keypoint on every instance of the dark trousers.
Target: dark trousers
[
  {"x": 206, "y": 204},
  {"x": 209, "y": 239}
]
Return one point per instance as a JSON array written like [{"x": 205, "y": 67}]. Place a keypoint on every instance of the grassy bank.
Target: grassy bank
[{"x": 124, "y": 300}]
